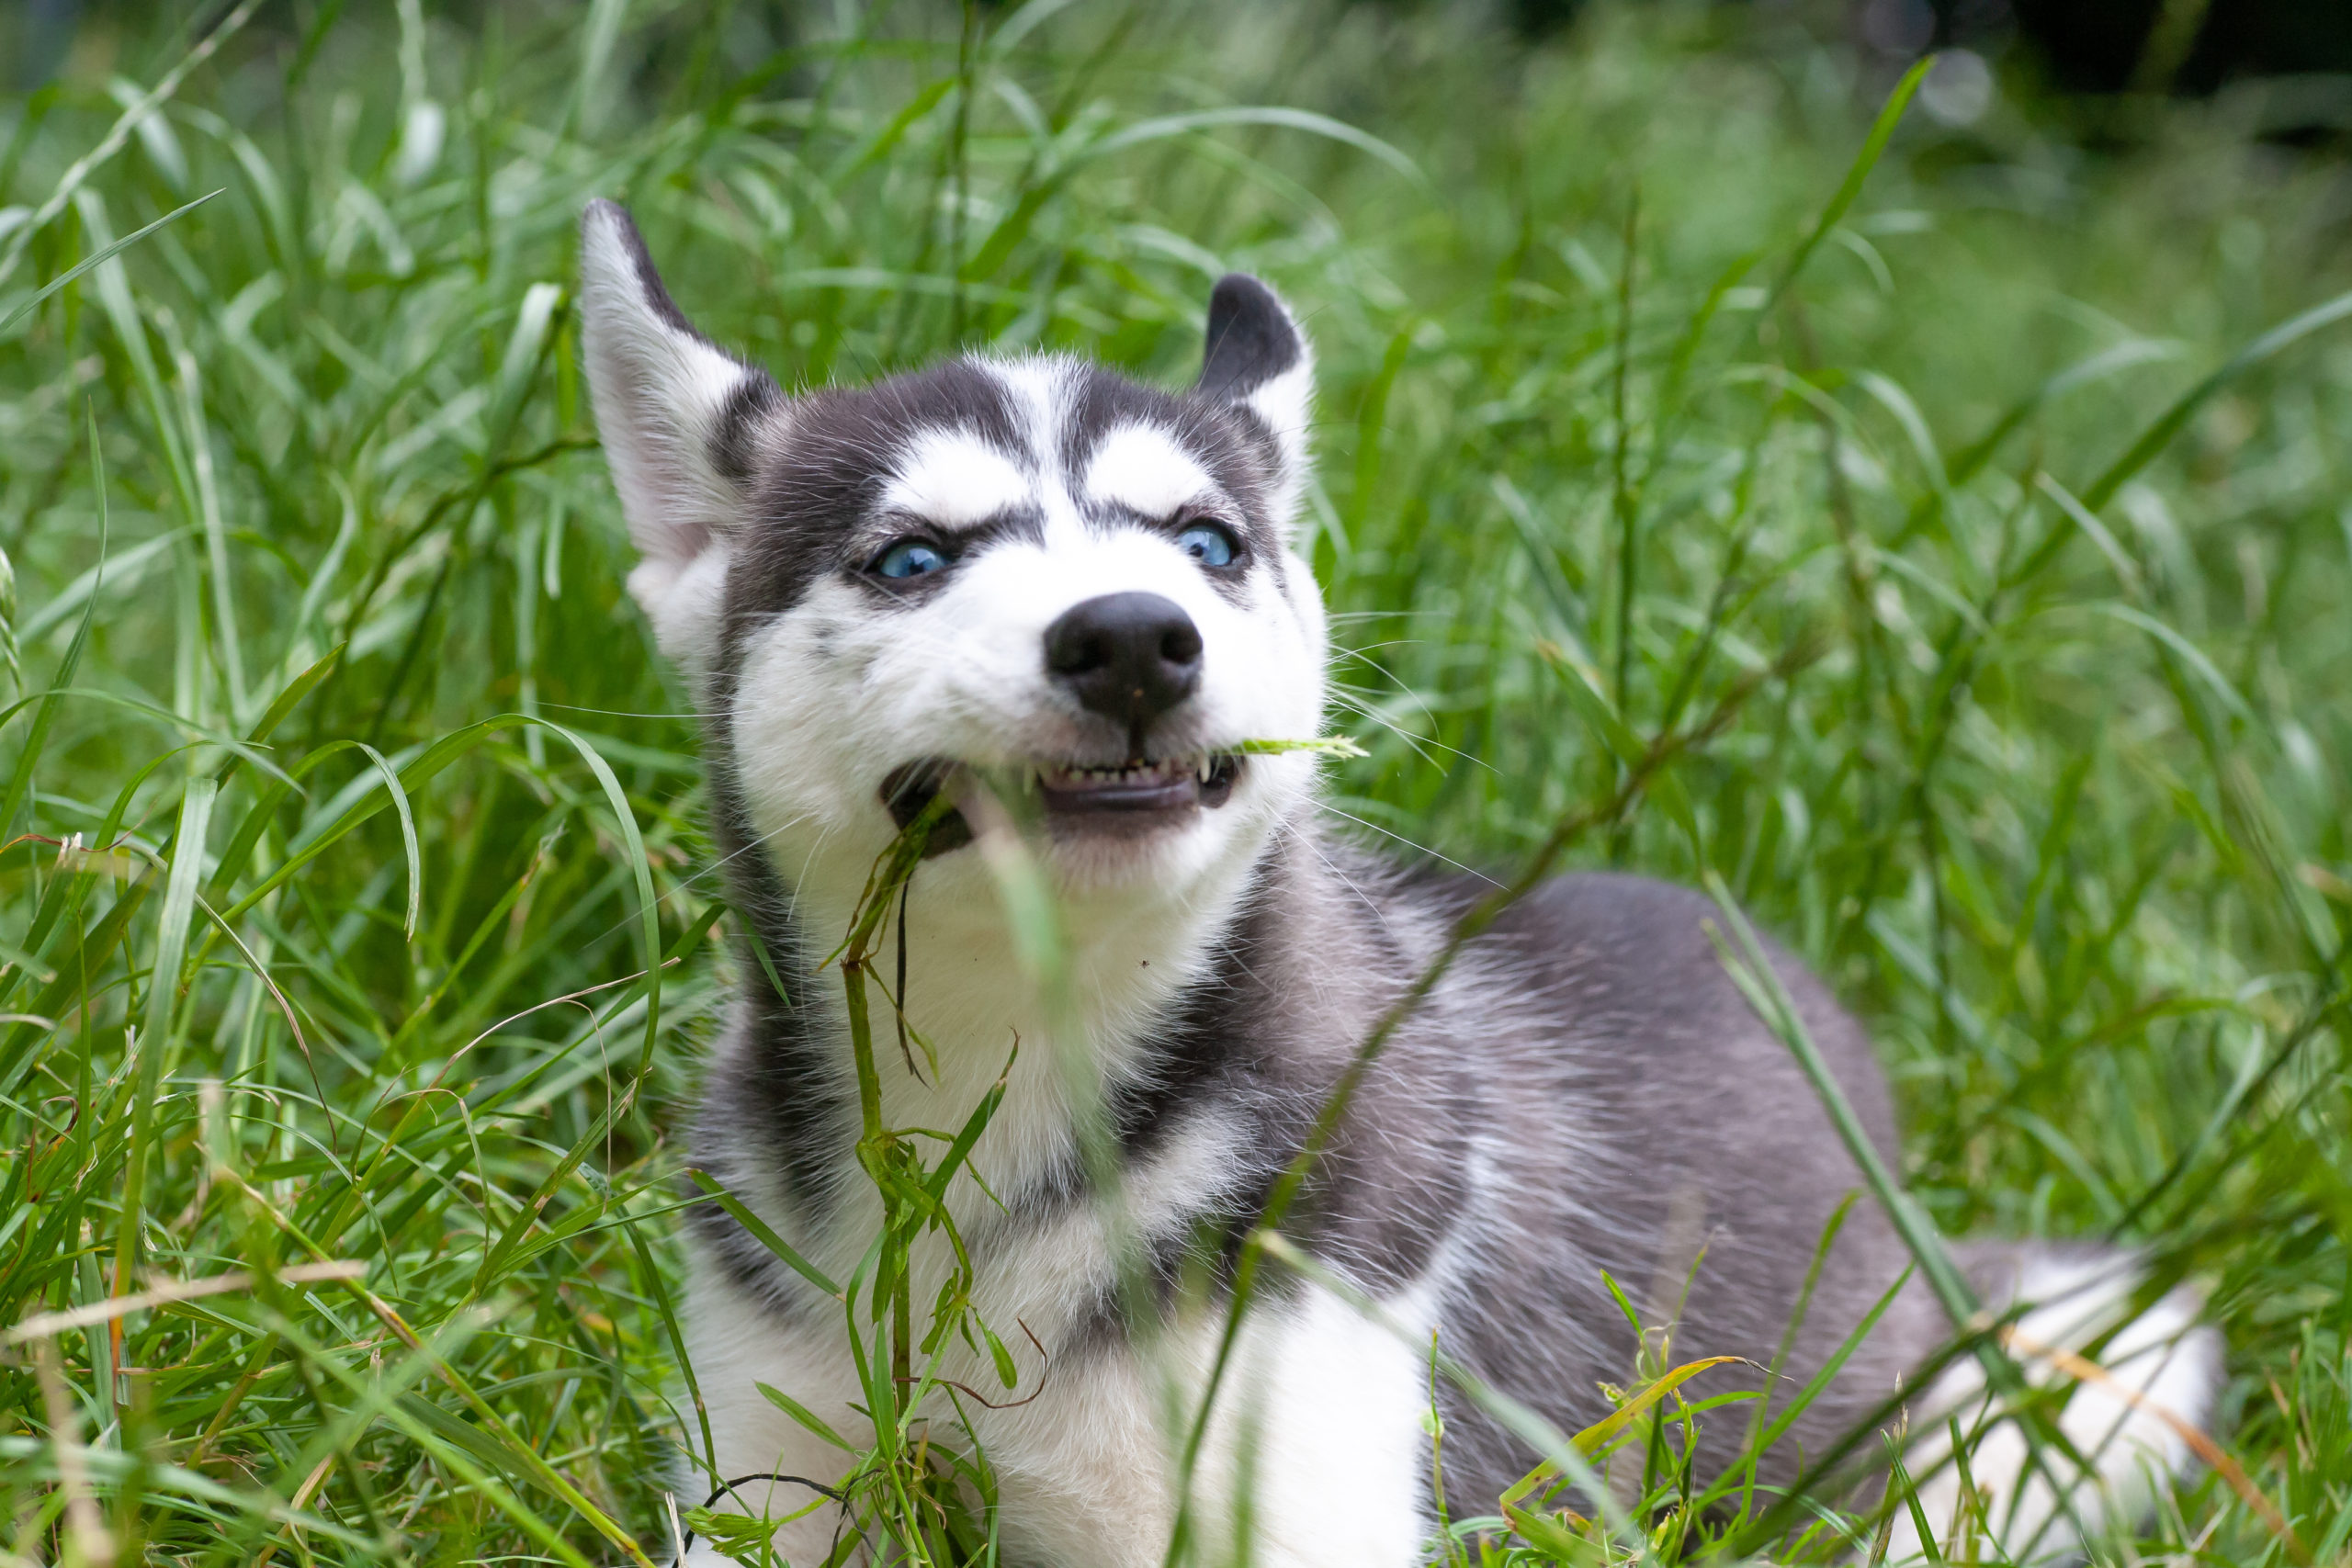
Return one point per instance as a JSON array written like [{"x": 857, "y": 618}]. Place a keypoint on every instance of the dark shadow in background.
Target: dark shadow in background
[
  {"x": 2101, "y": 46},
  {"x": 2191, "y": 47},
  {"x": 44, "y": 32}
]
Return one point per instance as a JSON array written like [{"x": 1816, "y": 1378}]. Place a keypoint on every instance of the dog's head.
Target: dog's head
[{"x": 1031, "y": 572}]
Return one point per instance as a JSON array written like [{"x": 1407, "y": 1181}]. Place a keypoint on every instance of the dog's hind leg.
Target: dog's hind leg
[{"x": 2126, "y": 1388}]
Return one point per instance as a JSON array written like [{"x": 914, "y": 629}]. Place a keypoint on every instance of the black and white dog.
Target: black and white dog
[{"x": 1035, "y": 567}]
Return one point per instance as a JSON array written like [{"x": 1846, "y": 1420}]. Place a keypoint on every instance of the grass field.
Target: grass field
[{"x": 2000, "y": 495}]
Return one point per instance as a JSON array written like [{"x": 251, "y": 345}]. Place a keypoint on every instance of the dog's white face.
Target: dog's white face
[{"x": 1031, "y": 576}]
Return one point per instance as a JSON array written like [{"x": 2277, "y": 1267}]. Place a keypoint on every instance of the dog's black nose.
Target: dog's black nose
[{"x": 1130, "y": 657}]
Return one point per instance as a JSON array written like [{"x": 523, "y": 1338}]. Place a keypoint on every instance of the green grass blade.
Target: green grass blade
[
  {"x": 762, "y": 1232},
  {"x": 156, "y": 1036},
  {"x": 103, "y": 253},
  {"x": 2159, "y": 435},
  {"x": 1882, "y": 131}
]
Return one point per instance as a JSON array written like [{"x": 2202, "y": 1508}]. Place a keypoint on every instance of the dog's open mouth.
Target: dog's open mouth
[{"x": 1125, "y": 794}]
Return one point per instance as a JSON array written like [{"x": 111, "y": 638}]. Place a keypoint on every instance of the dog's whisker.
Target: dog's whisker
[{"x": 1417, "y": 848}]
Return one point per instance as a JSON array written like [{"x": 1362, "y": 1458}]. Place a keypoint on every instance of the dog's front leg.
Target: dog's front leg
[
  {"x": 1341, "y": 1460},
  {"x": 736, "y": 1344},
  {"x": 1318, "y": 1442}
]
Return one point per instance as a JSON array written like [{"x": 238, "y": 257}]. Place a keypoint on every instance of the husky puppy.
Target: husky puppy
[{"x": 1034, "y": 568}]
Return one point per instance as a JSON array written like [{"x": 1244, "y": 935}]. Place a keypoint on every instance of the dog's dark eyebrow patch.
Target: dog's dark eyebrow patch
[{"x": 1020, "y": 522}]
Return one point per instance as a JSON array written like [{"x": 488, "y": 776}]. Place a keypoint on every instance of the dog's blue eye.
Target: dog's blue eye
[
  {"x": 1207, "y": 544},
  {"x": 910, "y": 558}
]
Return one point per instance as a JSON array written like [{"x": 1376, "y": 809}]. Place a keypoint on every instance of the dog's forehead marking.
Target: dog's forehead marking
[
  {"x": 1036, "y": 387},
  {"x": 954, "y": 479},
  {"x": 1146, "y": 470},
  {"x": 1037, "y": 391}
]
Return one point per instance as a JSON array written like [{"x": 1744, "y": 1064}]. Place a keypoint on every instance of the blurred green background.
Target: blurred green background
[{"x": 1997, "y": 505}]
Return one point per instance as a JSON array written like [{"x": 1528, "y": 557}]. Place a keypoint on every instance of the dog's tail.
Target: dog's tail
[{"x": 2137, "y": 1391}]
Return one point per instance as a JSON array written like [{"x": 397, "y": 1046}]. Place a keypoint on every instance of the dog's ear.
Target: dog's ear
[
  {"x": 1257, "y": 358},
  {"x": 681, "y": 423}
]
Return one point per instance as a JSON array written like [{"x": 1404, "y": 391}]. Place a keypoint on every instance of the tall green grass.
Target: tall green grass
[{"x": 357, "y": 906}]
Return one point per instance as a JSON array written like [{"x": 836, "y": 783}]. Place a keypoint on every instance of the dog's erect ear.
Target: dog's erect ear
[
  {"x": 1256, "y": 356},
  {"x": 680, "y": 420}
]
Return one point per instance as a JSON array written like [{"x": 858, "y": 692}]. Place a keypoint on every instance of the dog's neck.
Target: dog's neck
[{"x": 977, "y": 1005}]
